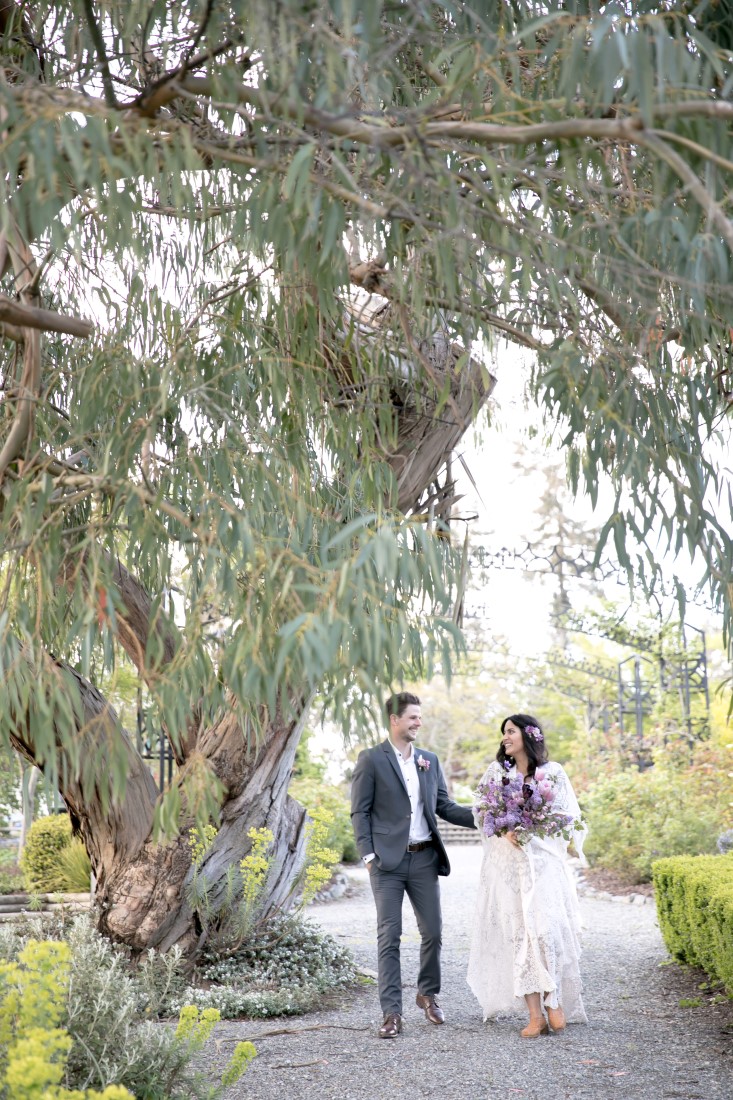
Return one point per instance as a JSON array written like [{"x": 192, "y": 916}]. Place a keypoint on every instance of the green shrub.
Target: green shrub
[
  {"x": 314, "y": 794},
  {"x": 34, "y": 1045},
  {"x": 287, "y": 968},
  {"x": 53, "y": 860},
  {"x": 695, "y": 907},
  {"x": 635, "y": 818},
  {"x": 12, "y": 880},
  {"x": 41, "y": 858}
]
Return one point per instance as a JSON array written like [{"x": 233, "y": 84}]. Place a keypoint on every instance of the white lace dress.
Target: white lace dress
[{"x": 526, "y": 934}]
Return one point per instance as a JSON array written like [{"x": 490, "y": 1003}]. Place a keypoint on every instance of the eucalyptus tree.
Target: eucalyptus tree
[{"x": 250, "y": 253}]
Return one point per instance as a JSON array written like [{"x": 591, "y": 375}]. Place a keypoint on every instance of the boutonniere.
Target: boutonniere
[{"x": 423, "y": 764}]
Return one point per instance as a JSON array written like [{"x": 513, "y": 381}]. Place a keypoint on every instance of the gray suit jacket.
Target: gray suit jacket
[{"x": 380, "y": 806}]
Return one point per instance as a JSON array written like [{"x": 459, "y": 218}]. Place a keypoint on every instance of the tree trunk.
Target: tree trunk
[
  {"x": 29, "y": 776},
  {"x": 141, "y": 894}
]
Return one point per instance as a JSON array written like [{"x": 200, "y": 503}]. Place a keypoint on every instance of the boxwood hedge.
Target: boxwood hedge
[{"x": 695, "y": 906}]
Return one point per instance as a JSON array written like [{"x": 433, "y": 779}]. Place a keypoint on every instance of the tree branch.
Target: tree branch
[
  {"x": 127, "y": 820},
  {"x": 387, "y": 135},
  {"x": 30, "y": 381},
  {"x": 692, "y": 183},
  {"x": 109, "y": 91},
  {"x": 45, "y": 320}
]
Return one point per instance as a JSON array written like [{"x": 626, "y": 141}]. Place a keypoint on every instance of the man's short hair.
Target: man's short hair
[{"x": 397, "y": 704}]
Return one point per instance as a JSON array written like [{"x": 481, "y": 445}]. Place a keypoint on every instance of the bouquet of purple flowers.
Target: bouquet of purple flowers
[{"x": 524, "y": 807}]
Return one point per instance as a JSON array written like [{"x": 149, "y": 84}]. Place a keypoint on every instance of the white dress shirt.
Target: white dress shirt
[{"x": 419, "y": 830}]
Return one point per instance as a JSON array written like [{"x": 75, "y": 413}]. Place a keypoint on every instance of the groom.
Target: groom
[{"x": 396, "y": 793}]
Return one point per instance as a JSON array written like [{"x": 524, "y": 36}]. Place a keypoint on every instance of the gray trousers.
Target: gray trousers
[{"x": 416, "y": 876}]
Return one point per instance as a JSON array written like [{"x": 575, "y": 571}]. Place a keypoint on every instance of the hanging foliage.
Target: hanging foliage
[{"x": 248, "y": 254}]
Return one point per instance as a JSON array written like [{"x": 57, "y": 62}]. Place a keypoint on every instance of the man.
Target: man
[{"x": 396, "y": 793}]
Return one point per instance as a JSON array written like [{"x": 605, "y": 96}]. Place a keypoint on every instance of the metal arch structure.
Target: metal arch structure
[
  {"x": 156, "y": 751},
  {"x": 636, "y": 699},
  {"x": 688, "y": 677},
  {"x": 576, "y": 562},
  {"x": 639, "y": 679},
  {"x": 597, "y": 711}
]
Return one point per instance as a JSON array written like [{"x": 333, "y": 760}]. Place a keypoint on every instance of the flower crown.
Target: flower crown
[{"x": 534, "y": 732}]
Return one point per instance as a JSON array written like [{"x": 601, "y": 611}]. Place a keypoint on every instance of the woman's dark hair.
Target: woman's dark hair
[{"x": 536, "y": 750}]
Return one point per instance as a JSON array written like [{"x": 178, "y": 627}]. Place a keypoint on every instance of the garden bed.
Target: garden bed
[{"x": 609, "y": 882}]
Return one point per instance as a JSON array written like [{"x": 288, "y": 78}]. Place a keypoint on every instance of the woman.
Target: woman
[{"x": 525, "y": 945}]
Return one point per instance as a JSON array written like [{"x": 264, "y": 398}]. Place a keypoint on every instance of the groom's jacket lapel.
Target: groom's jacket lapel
[
  {"x": 423, "y": 779},
  {"x": 392, "y": 757}
]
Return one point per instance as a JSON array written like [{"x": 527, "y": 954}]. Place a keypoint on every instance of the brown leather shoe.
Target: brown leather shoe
[
  {"x": 391, "y": 1027},
  {"x": 556, "y": 1018},
  {"x": 431, "y": 1008}
]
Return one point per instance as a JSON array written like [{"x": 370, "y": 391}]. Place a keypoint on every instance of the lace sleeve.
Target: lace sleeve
[
  {"x": 492, "y": 772},
  {"x": 567, "y": 803}
]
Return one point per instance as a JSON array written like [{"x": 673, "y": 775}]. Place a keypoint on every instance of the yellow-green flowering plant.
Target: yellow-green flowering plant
[
  {"x": 200, "y": 840},
  {"x": 320, "y": 859},
  {"x": 237, "y": 911},
  {"x": 243, "y": 1054},
  {"x": 195, "y": 1029},
  {"x": 255, "y": 868},
  {"x": 35, "y": 1047}
]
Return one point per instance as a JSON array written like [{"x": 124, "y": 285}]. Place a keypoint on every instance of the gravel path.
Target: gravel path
[{"x": 639, "y": 1042}]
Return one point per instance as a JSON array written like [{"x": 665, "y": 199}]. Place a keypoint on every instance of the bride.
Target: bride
[{"x": 525, "y": 946}]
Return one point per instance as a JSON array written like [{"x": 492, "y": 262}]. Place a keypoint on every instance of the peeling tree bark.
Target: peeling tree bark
[{"x": 141, "y": 886}]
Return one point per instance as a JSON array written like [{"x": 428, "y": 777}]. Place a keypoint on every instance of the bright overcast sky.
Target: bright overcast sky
[{"x": 506, "y": 500}]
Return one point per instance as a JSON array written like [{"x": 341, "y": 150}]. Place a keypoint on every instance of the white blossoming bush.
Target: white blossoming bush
[{"x": 284, "y": 971}]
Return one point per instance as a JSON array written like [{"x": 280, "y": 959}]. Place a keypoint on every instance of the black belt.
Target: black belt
[{"x": 420, "y": 847}]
